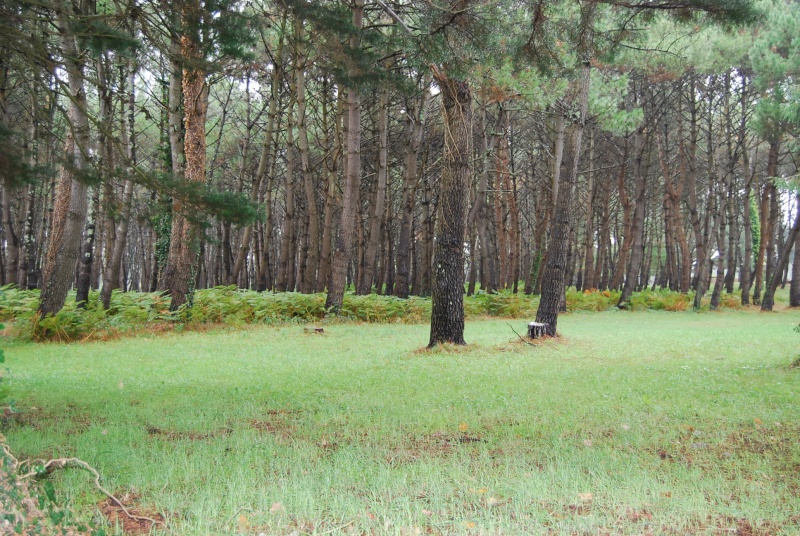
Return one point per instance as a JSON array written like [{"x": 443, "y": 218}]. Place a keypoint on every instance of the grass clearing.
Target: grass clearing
[{"x": 668, "y": 423}]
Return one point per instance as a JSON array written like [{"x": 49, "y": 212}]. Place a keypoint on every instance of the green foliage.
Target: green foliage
[
  {"x": 32, "y": 507},
  {"x": 133, "y": 312},
  {"x": 591, "y": 300},
  {"x": 607, "y": 92}
]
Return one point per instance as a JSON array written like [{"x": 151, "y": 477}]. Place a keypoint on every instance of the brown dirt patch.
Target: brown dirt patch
[
  {"x": 437, "y": 444},
  {"x": 131, "y": 525}
]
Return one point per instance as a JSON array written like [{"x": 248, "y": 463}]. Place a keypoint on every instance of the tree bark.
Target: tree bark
[
  {"x": 447, "y": 308},
  {"x": 70, "y": 208}
]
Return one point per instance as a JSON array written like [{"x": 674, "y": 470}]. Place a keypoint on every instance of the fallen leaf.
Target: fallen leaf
[
  {"x": 666, "y": 494},
  {"x": 585, "y": 497},
  {"x": 758, "y": 421},
  {"x": 470, "y": 525},
  {"x": 587, "y": 442},
  {"x": 463, "y": 427},
  {"x": 427, "y": 512},
  {"x": 276, "y": 507}
]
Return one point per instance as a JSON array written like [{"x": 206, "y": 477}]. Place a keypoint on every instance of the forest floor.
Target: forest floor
[{"x": 629, "y": 423}]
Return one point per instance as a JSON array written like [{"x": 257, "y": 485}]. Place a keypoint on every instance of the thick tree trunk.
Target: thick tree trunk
[
  {"x": 310, "y": 283},
  {"x": 69, "y": 214},
  {"x": 86, "y": 259},
  {"x": 344, "y": 241},
  {"x": 447, "y": 309}
]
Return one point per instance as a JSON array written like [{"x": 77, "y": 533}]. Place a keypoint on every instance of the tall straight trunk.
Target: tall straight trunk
[
  {"x": 447, "y": 308},
  {"x": 722, "y": 212},
  {"x": 344, "y": 241},
  {"x": 69, "y": 213},
  {"x": 170, "y": 280},
  {"x": 112, "y": 273},
  {"x": 266, "y": 165},
  {"x": 330, "y": 166},
  {"x": 783, "y": 260},
  {"x": 12, "y": 238},
  {"x": 774, "y": 240},
  {"x": 637, "y": 226},
  {"x": 604, "y": 234},
  {"x": 765, "y": 218},
  {"x": 691, "y": 182},
  {"x": 287, "y": 254},
  {"x": 311, "y": 259},
  {"x": 86, "y": 259},
  {"x": 13, "y": 243},
  {"x": 554, "y": 273},
  {"x": 371, "y": 255},
  {"x": 627, "y": 233}
]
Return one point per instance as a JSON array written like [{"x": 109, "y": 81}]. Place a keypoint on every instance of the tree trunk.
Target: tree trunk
[
  {"x": 764, "y": 217},
  {"x": 371, "y": 255},
  {"x": 287, "y": 254},
  {"x": 344, "y": 241},
  {"x": 447, "y": 308},
  {"x": 794, "y": 289},
  {"x": 69, "y": 213},
  {"x": 637, "y": 226},
  {"x": 780, "y": 265},
  {"x": 553, "y": 279}
]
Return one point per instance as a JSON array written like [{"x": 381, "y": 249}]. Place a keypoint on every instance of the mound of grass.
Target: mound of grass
[{"x": 628, "y": 424}]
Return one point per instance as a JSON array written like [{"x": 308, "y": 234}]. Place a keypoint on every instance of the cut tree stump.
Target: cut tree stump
[{"x": 537, "y": 330}]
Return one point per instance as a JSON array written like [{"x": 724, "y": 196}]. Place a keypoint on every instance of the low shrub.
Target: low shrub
[
  {"x": 591, "y": 300},
  {"x": 227, "y": 305},
  {"x": 660, "y": 300}
]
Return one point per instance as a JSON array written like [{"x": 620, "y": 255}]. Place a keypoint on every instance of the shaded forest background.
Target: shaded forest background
[{"x": 282, "y": 145}]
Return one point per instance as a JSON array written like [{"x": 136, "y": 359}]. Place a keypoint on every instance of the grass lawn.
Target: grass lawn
[{"x": 631, "y": 423}]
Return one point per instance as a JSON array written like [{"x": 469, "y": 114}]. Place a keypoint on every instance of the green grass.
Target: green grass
[{"x": 630, "y": 423}]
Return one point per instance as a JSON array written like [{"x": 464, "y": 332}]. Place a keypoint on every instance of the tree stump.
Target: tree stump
[{"x": 537, "y": 330}]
